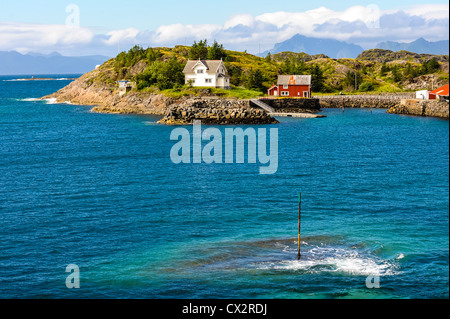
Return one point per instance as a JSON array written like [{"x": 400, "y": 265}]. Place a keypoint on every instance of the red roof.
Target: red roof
[{"x": 441, "y": 91}]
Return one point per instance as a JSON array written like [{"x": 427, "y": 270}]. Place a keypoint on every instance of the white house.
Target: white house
[
  {"x": 207, "y": 73},
  {"x": 125, "y": 86}
]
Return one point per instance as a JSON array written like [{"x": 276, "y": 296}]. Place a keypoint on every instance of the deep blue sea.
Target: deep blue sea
[{"x": 100, "y": 191}]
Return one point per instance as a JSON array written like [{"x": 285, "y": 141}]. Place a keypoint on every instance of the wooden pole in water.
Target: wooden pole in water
[{"x": 299, "y": 224}]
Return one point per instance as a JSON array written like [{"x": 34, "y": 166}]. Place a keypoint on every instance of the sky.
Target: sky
[{"x": 91, "y": 27}]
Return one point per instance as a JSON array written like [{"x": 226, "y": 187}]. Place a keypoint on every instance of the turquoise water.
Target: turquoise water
[{"x": 101, "y": 192}]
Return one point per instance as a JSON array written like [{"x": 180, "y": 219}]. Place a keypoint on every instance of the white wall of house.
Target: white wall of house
[
  {"x": 423, "y": 95},
  {"x": 201, "y": 78},
  {"x": 223, "y": 82}
]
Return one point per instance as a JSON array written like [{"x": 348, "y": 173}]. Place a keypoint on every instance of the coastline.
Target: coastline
[
  {"x": 394, "y": 103},
  {"x": 105, "y": 98},
  {"x": 424, "y": 108}
]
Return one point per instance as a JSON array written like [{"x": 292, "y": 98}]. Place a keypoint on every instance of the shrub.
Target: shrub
[{"x": 366, "y": 87}]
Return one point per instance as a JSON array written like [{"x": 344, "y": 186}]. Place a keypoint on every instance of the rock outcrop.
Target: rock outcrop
[
  {"x": 432, "y": 108},
  {"x": 216, "y": 111},
  {"x": 382, "y": 101},
  {"x": 106, "y": 99}
]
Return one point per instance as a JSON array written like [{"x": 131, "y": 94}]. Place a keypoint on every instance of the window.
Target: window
[
  {"x": 285, "y": 87},
  {"x": 200, "y": 71},
  {"x": 208, "y": 80},
  {"x": 285, "y": 93}
]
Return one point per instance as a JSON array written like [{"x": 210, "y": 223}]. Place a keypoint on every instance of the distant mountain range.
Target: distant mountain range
[
  {"x": 419, "y": 46},
  {"x": 333, "y": 48},
  {"x": 14, "y": 63},
  {"x": 338, "y": 49}
]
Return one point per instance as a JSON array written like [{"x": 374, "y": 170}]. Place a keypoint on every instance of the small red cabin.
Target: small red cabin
[
  {"x": 442, "y": 91},
  {"x": 292, "y": 86}
]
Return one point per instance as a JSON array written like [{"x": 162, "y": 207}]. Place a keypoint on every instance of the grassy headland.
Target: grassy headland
[{"x": 159, "y": 70}]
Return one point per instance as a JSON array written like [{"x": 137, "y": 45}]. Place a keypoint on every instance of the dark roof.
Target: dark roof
[{"x": 211, "y": 65}]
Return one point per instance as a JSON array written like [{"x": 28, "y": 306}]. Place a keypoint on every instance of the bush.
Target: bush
[
  {"x": 164, "y": 75},
  {"x": 366, "y": 87}
]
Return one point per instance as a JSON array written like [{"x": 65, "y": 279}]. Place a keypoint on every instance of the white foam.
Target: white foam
[
  {"x": 322, "y": 259},
  {"x": 47, "y": 101},
  {"x": 50, "y": 101},
  {"x": 151, "y": 123},
  {"x": 400, "y": 256},
  {"x": 46, "y": 79},
  {"x": 29, "y": 100}
]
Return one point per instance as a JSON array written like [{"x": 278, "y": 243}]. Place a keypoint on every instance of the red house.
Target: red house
[
  {"x": 292, "y": 86},
  {"x": 442, "y": 91}
]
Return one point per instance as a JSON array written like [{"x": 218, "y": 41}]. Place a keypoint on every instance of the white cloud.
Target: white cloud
[
  {"x": 246, "y": 20},
  {"x": 364, "y": 25},
  {"x": 430, "y": 11},
  {"x": 173, "y": 32},
  {"x": 30, "y": 37},
  {"x": 117, "y": 36}
]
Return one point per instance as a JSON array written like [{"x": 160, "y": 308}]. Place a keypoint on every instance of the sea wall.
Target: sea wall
[
  {"x": 432, "y": 108},
  {"x": 290, "y": 105},
  {"x": 382, "y": 101},
  {"x": 216, "y": 111}
]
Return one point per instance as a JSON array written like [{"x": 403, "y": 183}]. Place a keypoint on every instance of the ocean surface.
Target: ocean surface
[{"x": 101, "y": 192}]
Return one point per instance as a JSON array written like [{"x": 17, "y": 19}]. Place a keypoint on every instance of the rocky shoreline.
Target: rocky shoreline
[
  {"x": 381, "y": 101},
  {"x": 182, "y": 111},
  {"x": 428, "y": 108},
  {"x": 222, "y": 112},
  {"x": 214, "y": 110}
]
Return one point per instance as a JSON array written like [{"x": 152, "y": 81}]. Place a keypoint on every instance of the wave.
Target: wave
[
  {"x": 320, "y": 254},
  {"x": 334, "y": 260},
  {"x": 43, "y": 79},
  {"x": 47, "y": 101},
  {"x": 29, "y": 100}
]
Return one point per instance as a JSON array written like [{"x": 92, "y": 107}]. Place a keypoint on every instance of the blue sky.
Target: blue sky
[
  {"x": 144, "y": 14},
  {"x": 106, "y": 26}
]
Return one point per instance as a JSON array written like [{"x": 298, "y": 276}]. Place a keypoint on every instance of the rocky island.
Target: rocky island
[{"x": 159, "y": 86}]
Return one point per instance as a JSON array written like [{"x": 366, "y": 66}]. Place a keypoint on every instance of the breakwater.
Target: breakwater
[
  {"x": 290, "y": 105},
  {"x": 216, "y": 111},
  {"x": 433, "y": 108},
  {"x": 381, "y": 101}
]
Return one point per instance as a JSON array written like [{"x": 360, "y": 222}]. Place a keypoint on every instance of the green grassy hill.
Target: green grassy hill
[{"x": 159, "y": 70}]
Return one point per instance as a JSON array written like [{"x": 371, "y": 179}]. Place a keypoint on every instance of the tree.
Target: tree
[
  {"x": 432, "y": 65},
  {"x": 255, "y": 81},
  {"x": 352, "y": 79},
  {"x": 410, "y": 72},
  {"x": 216, "y": 52},
  {"x": 268, "y": 57},
  {"x": 199, "y": 50},
  {"x": 153, "y": 55},
  {"x": 396, "y": 75},
  {"x": 318, "y": 80},
  {"x": 163, "y": 75},
  {"x": 366, "y": 87},
  {"x": 384, "y": 69}
]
